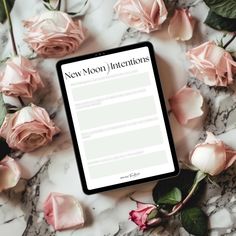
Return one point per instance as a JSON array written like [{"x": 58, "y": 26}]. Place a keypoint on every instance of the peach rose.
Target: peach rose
[
  {"x": 19, "y": 78},
  {"x": 28, "y": 128},
  {"x": 63, "y": 211},
  {"x": 9, "y": 173},
  {"x": 181, "y": 25},
  {"x": 145, "y": 215},
  {"x": 144, "y": 15},
  {"x": 212, "y": 64},
  {"x": 54, "y": 34},
  {"x": 212, "y": 156},
  {"x": 186, "y": 104}
]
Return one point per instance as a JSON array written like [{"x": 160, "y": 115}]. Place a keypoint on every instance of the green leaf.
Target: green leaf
[
  {"x": 195, "y": 221},
  {"x": 220, "y": 23},
  {"x": 183, "y": 182},
  {"x": 10, "y": 4},
  {"x": 4, "y": 149},
  {"x": 171, "y": 198},
  {"x": 3, "y": 110},
  {"x": 152, "y": 215},
  {"x": 225, "y": 8}
]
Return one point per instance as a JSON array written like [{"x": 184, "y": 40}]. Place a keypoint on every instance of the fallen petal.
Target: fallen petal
[
  {"x": 186, "y": 104},
  {"x": 63, "y": 211},
  {"x": 181, "y": 25},
  {"x": 9, "y": 173}
]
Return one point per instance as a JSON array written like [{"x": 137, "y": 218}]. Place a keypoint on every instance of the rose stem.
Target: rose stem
[
  {"x": 230, "y": 41},
  {"x": 181, "y": 204},
  {"x": 59, "y": 5},
  {"x": 12, "y": 39},
  {"x": 11, "y": 28}
]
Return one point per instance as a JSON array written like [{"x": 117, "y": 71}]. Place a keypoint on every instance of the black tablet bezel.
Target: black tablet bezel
[{"x": 71, "y": 125}]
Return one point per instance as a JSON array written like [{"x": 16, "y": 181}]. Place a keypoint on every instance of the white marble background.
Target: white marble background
[{"x": 53, "y": 168}]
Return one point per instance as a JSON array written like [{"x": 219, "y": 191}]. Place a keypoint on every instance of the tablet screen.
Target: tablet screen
[{"x": 117, "y": 117}]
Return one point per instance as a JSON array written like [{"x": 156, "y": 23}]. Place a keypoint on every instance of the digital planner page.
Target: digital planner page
[{"x": 118, "y": 118}]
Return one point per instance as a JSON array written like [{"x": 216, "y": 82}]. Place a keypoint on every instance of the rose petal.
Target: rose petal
[
  {"x": 54, "y": 34},
  {"x": 209, "y": 158},
  {"x": 28, "y": 128},
  {"x": 230, "y": 156},
  {"x": 212, "y": 156},
  {"x": 63, "y": 211},
  {"x": 9, "y": 173},
  {"x": 19, "y": 78},
  {"x": 186, "y": 104},
  {"x": 212, "y": 64},
  {"x": 181, "y": 25},
  {"x": 144, "y": 15}
]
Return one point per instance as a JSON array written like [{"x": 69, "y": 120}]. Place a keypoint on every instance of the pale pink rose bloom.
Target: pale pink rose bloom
[
  {"x": 9, "y": 173},
  {"x": 28, "y": 128},
  {"x": 186, "y": 104},
  {"x": 63, "y": 212},
  {"x": 212, "y": 156},
  {"x": 54, "y": 34},
  {"x": 144, "y": 15},
  {"x": 181, "y": 25},
  {"x": 19, "y": 78},
  {"x": 212, "y": 64}
]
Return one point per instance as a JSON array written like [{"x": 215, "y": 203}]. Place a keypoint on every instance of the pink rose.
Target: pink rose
[
  {"x": 63, "y": 211},
  {"x": 28, "y": 128},
  {"x": 19, "y": 78},
  {"x": 54, "y": 34},
  {"x": 181, "y": 25},
  {"x": 186, "y": 104},
  {"x": 212, "y": 64},
  {"x": 212, "y": 156},
  {"x": 9, "y": 173},
  {"x": 145, "y": 215},
  {"x": 144, "y": 15}
]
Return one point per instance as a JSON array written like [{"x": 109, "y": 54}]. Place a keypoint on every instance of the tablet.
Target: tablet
[{"x": 117, "y": 117}]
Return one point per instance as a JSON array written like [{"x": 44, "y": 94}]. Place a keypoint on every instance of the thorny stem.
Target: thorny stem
[
  {"x": 230, "y": 41},
  {"x": 11, "y": 28}
]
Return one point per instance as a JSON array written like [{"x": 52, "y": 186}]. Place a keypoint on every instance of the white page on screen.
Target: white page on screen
[{"x": 117, "y": 118}]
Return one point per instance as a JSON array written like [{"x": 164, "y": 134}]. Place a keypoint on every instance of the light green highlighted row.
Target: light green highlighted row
[
  {"x": 118, "y": 112},
  {"x": 110, "y": 86},
  {"x": 129, "y": 164},
  {"x": 122, "y": 142}
]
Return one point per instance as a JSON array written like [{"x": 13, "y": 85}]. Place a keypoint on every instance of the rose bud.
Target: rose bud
[
  {"x": 28, "y": 128},
  {"x": 145, "y": 16},
  {"x": 54, "y": 34},
  {"x": 212, "y": 64},
  {"x": 19, "y": 78},
  {"x": 212, "y": 156},
  {"x": 181, "y": 25},
  {"x": 9, "y": 173},
  {"x": 63, "y": 212},
  {"x": 186, "y": 104},
  {"x": 146, "y": 215}
]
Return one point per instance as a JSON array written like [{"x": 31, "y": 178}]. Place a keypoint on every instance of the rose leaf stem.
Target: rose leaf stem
[
  {"x": 10, "y": 28},
  {"x": 132, "y": 199},
  {"x": 181, "y": 204},
  {"x": 199, "y": 177},
  {"x": 21, "y": 101},
  {"x": 230, "y": 41}
]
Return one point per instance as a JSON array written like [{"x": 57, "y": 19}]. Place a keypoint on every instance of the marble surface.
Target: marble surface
[{"x": 53, "y": 168}]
